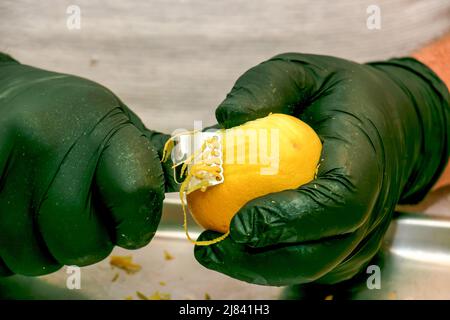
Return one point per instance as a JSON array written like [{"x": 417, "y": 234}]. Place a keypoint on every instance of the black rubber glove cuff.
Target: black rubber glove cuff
[{"x": 435, "y": 118}]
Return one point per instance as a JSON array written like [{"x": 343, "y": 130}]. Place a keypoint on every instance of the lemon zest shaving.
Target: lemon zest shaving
[
  {"x": 198, "y": 170},
  {"x": 125, "y": 263},
  {"x": 168, "y": 146},
  {"x": 316, "y": 172}
]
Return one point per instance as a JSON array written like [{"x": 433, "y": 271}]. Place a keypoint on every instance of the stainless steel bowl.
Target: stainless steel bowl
[{"x": 414, "y": 262}]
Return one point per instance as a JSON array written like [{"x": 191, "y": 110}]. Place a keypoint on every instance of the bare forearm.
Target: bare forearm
[{"x": 437, "y": 57}]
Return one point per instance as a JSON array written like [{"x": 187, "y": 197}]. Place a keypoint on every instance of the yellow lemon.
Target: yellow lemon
[{"x": 267, "y": 155}]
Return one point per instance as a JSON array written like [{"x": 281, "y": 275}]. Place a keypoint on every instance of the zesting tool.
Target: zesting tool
[{"x": 199, "y": 155}]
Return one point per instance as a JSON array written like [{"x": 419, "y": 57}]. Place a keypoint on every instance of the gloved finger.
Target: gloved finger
[
  {"x": 130, "y": 181},
  {"x": 4, "y": 270},
  {"x": 158, "y": 140},
  {"x": 337, "y": 202},
  {"x": 282, "y": 84},
  {"x": 72, "y": 220},
  {"x": 22, "y": 250},
  {"x": 360, "y": 257},
  {"x": 6, "y": 145},
  {"x": 279, "y": 265}
]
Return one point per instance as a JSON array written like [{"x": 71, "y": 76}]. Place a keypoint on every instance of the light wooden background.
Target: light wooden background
[{"x": 173, "y": 61}]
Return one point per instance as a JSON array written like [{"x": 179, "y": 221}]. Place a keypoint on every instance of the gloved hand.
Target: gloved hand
[
  {"x": 79, "y": 173},
  {"x": 385, "y": 133}
]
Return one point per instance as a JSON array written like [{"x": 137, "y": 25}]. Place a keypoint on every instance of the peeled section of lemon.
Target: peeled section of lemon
[{"x": 267, "y": 155}]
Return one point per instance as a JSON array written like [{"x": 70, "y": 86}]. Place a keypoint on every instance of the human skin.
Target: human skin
[{"x": 437, "y": 57}]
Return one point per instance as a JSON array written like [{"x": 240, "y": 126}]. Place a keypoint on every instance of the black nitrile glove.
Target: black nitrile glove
[
  {"x": 385, "y": 133},
  {"x": 79, "y": 173}
]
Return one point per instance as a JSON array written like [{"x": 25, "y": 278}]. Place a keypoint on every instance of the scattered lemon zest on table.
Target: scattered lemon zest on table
[
  {"x": 162, "y": 283},
  {"x": 207, "y": 296},
  {"x": 141, "y": 296},
  {"x": 160, "y": 296},
  {"x": 329, "y": 297},
  {"x": 168, "y": 256},
  {"x": 155, "y": 296},
  {"x": 392, "y": 295},
  {"x": 128, "y": 298},
  {"x": 125, "y": 263},
  {"x": 116, "y": 276}
]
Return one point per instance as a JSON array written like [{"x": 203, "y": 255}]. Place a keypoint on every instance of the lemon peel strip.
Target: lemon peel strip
[{"x": 197, "y": 170}]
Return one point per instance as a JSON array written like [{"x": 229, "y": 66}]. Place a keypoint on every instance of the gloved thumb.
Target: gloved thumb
[{"x": 283, "y": 84}]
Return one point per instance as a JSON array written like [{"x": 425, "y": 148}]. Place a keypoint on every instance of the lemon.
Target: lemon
[{"x": 267, "y": 155}]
